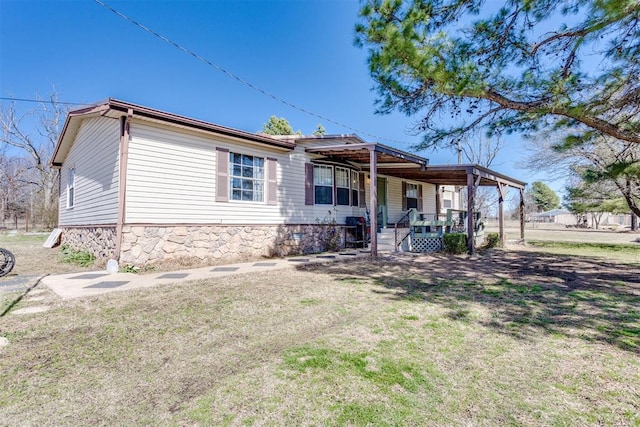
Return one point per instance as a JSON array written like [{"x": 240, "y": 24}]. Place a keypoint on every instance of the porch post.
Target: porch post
[
  {"x": 438, "y": 202},
  {"x": 521, "y": 212},
  {"x": 470, "y": 195},
  {"x": 501, "y": 214},
  {"x": 373, "y": 189}
]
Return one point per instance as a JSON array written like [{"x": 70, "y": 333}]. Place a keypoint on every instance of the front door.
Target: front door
[{"x": 382, "y": 202}]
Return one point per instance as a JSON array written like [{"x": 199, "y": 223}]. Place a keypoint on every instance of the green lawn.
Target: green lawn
[
  {"x": 629, "y": 253},
  {"x": 505, "y": 338}
]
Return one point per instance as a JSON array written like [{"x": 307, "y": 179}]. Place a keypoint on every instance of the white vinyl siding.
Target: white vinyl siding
[
  {"x": 172, "y": 174},
  {"x": 429, "y": 198},
  {"x": 394, "y": 199},
  {"x": 172, "y": 179},
  {"x": 394, "y": 196},
  {"x": 94, "y": 157}
]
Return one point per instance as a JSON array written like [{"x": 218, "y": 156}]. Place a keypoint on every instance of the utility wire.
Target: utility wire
[
  {"x": 41, "y": 101},
  {"x": 239, "y": 79}
]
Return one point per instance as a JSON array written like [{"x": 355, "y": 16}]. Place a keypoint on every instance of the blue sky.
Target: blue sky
[{"x": 301, "y": 51}]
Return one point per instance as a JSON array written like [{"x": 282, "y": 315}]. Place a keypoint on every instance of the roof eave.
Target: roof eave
[
  {"x": 69, "y": 131},
  {"x": 143, "y": 111}
]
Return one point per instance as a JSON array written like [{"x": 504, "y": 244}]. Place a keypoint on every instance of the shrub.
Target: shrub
[
  {"x": 329, "y": 236},
  {"x": 492, "y": 240},
  {"x": 455, "y": 243},
  {"x": 81, "y": 258}
]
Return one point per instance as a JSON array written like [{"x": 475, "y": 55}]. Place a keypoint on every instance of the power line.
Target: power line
[
  {"x": 237, "y": 78},
  {"x": 42, "y": 101}
]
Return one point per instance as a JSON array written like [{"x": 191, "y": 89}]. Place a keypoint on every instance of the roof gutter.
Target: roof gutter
[{"x": 151, "y": 113}]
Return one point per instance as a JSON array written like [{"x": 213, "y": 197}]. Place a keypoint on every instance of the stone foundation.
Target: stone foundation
[
  {"x": 149, "y": 244},
  {"x": 100, "y": 241}
]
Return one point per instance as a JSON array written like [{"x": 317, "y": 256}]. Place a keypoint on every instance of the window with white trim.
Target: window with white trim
[
  {"x": 246, "y": 177},
  {"x": 446, "y": 203},
  {"x": 412, "y": 196},
  {"x": 71, "y": 188},
  {"x": 323, "y": 184},
  {"x": 342, "y": 186},
  {"x": 355, "y": 188}
]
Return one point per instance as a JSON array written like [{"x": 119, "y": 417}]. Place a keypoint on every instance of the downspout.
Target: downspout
[{"x": 125, "y": 123}]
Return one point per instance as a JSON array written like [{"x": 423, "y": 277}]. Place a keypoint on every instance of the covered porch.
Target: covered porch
[{"x": 380, "y": 160}]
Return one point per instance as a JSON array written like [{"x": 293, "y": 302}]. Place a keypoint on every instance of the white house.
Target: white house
[{"x": 142, "y": 185}]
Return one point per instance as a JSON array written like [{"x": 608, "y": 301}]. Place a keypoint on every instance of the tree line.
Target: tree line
[{"x": 29, "y": 187}]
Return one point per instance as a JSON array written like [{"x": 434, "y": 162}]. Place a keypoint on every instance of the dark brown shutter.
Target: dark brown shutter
[
  {"x": 419, "y": 197},
  {"x": 222, "y": 175},
  {"x": 272, "y": 181},
  {"x": 361, "y": 191},
  {"x": 404, "y": 195},
  {"x": 308, "y": 184}
]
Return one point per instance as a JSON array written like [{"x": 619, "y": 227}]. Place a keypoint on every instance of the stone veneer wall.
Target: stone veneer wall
[
  {"x": 100, "y": 241},
  {"x": 143, "y": 244}
]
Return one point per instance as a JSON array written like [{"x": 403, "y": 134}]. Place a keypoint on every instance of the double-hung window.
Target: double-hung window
[
  {"x": 412, "y": 196},
  {"x": 342, "y": 186},
  {"x": 355, "y": 188},
  {"x": 332, "y": 185},
  {"x": 71, "y": 188},
  {"x": 323, "y": 184},
  {"x": 246, "y": 176}
]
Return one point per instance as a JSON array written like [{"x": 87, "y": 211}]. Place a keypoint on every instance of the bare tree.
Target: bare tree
[
  {"x": 32, "y": 136},
  {"x": 606, "y": 160},
  {"x": 15, "y": 191},
  {"x": 482, "y": 151}
]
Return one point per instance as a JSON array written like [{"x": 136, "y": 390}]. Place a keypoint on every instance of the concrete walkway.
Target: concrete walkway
[{"x": 77, "y": 285}]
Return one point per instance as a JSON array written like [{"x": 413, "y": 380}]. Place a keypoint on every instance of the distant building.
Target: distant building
[
  {"x": 555, "y": 216},
  {"x": 604, "y": 219}
]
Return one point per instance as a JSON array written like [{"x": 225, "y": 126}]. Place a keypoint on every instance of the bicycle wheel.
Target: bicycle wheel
[{"x": 7, "y": 261}]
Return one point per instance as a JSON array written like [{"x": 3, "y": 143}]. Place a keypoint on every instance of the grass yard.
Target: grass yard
[
  {"x": 627, "y": 253},
  {"x": 505, "y": 338},
  {"x": 32, "y": 258}
]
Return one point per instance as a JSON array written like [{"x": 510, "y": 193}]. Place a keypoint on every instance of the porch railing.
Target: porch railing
[
  {"x": 403, "y": 223},
  {"x": 426, "y": 228}
]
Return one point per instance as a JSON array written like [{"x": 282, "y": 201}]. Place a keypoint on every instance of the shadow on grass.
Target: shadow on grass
[{"x": 526, "y": 293}]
